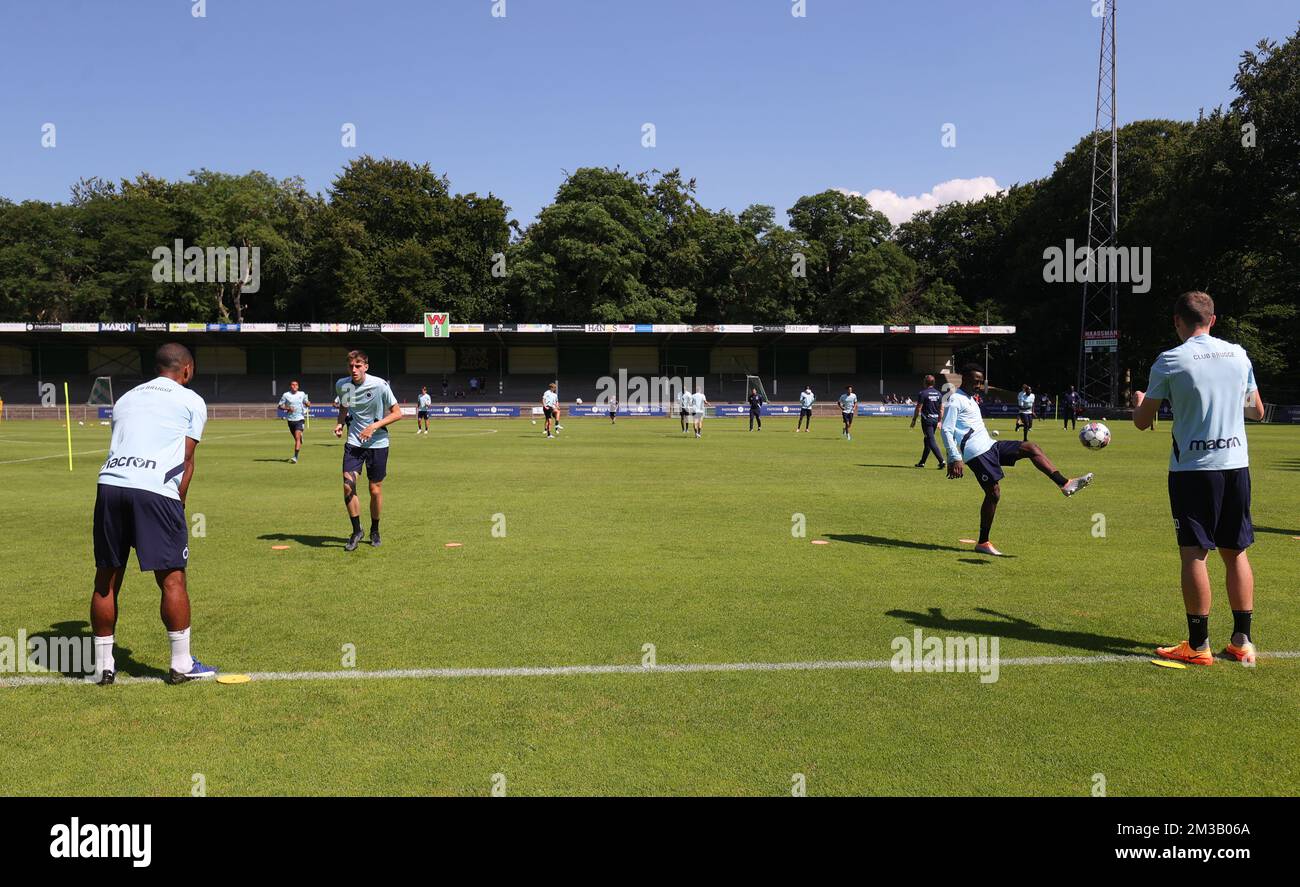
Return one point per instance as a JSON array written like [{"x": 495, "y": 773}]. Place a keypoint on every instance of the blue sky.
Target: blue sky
[{"x": 757, "y": 105}]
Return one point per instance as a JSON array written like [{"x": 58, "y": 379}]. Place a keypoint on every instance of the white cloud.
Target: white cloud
[{"x": 899, "y": 208}]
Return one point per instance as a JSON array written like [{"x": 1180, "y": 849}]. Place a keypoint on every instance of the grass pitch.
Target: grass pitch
[{"x": 615, "y": 538}]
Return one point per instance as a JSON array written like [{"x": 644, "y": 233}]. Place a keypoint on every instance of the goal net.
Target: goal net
[
  {"x": 756, "y": 382},
  {"x": 101, "y": 393}
]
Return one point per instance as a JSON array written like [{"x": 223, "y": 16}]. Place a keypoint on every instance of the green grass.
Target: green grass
[{"x": 619, "y": 537}]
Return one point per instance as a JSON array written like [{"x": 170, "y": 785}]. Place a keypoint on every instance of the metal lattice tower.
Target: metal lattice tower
[{"x": 1099, "y": 325}]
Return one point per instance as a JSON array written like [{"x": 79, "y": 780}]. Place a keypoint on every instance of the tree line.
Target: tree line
[{"x": 1216, "y": 200}]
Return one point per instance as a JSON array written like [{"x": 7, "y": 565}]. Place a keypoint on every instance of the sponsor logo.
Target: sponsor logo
[
  {"x": 129, "y": 462},
  {"x": 1218, "y": 443}
]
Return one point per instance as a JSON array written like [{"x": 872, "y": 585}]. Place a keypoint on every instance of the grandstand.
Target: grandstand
[{"x": 252, "y": 364}]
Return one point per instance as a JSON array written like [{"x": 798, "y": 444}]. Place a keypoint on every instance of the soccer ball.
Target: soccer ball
[
  {"x": 579, "y": 400},
  {"x": 1094, "y": 436},
  {"x": 534, "y": 421},
  {"x": 996, "y": 433}
]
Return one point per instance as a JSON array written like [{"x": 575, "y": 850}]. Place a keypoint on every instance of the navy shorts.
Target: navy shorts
[
  {"x": 153, "y": 524},
  {"x": 422, "y": 414},
  {"x": 1212, "y": 508},
  {"x": 375, "y": 459},
  {"x": 987, "y": 466},
  {"x": 805, "y": 412},
  {"x": 295, "y": 425},
  {"x": 1027, "y": 420},
  {"x": 848, "y": 418},
  {"x": 550, "y": 412}
]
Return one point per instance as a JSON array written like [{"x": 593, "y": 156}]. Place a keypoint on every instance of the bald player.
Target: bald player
[{"x": 140, "y": 504}]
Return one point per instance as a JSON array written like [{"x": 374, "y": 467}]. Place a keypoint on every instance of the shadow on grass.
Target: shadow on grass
[
  {"x": 1288, "y": 465},
  {"x": 860, "y": 539},
  {"x": 303, "y": 539},
  {"x": 123, "y": 662},
  {"x": 906, "y": 467},
  {"x": 1278, "y": 530},
  {"x": 271, "y": 460},
  {"x": 1005, "y": 626}
]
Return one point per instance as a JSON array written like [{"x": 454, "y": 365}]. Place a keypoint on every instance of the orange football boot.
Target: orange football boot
[
  {"x": 1183, "y": 652},
  {"x": 1244, "y": 654}
]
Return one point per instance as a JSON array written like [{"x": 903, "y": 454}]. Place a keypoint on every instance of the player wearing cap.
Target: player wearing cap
[
  {"x": 140, "y": 504},
  {"x": 1211, "y": 386}
]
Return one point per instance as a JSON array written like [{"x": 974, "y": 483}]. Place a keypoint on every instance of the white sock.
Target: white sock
[
  {"x": 182, "y": 661},
  {"x": 104, "y": 655}
]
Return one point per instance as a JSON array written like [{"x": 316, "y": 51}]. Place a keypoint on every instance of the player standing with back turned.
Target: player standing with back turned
[
  {"x": 1211, "y": 386},
  {"x": 929, "y": 408},
  {"x": 140, "y": 504}
]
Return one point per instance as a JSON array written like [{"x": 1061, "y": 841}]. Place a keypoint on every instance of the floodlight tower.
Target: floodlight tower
[{"x": 1099, "y": 324}]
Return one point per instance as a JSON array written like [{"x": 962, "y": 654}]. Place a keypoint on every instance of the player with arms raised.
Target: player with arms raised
[
  {"x": 296, "y": 403},
  {"x": 366, "y": 408},
  {"x": 1211, "y": 386},
  {"x": 967, "y": 441}
]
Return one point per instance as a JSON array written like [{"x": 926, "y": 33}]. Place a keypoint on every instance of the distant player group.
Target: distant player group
[{"x": 156, "y": 427}]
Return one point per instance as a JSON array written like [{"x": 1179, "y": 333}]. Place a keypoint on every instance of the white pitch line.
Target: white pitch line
[
  {"x": 567, "y": 670},
  {"x": 105, "y": 449}
]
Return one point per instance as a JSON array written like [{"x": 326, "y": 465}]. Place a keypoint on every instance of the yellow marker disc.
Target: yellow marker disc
[
  {"x": 233, "y": 679},
  {"x": 1167, "y": 663},
  {"x": 279, "y": 548}
]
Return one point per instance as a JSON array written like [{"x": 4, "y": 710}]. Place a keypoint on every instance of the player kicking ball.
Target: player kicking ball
[
  {"x": 551, "y": 410},
  {"x": 848, "y": 408},
  {"x": 366, "y": 408},
  {"x": 296, "y": 403},
  {"x": 967, "y": 441}
]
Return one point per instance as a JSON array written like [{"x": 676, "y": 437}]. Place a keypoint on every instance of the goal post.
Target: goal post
[
  {"x": 756, "y": 382},
  {"x": 101, "y": 393}
]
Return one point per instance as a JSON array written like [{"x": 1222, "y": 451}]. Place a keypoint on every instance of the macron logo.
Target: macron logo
[
  {"x": 129, "y": 462},
  {"x": 1218, "y": 443},
  {"x": 90, "y": 841}
]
